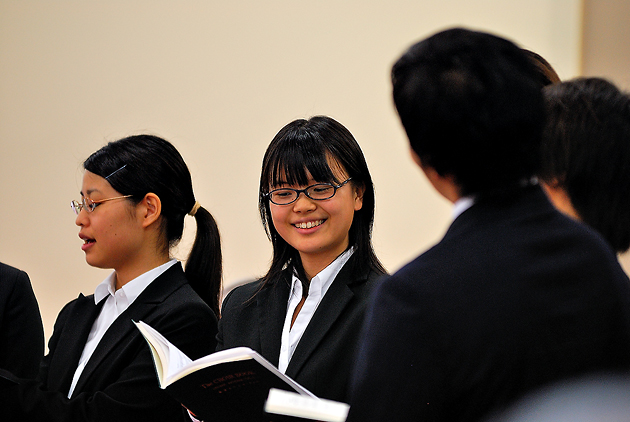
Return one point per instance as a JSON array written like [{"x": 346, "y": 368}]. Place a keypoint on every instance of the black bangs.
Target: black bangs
[
  {"x": 108, "y": 163},
  {"x": 102, "y": 163},
  {"x": 292, "y": 159}
]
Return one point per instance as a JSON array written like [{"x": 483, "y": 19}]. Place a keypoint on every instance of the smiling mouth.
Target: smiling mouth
[{"x": 309, "y": 224}]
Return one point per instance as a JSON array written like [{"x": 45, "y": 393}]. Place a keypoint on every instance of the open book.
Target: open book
[
  {"x": 297, "y": 406},
  {"x": 230, "y": 385}
]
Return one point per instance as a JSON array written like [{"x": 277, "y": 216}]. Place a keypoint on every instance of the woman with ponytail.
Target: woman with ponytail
[{"x": 135, "y": 195}]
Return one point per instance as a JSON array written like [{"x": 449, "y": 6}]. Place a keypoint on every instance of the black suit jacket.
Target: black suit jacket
[
  {"x": 21, "y": 330},
  {"x": 513, "y": 297},
  {"x": 323, "y": 358},
  {"x": 119, "y": 382}
]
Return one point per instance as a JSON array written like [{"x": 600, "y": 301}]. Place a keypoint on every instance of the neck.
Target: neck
[
  {"x": 313, "y": 265},
  {"x": 127, "y": 273},
  {"x": 444, "y": 185}
]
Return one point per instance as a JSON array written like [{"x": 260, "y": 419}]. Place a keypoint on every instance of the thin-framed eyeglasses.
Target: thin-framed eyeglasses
[
  {"x": 88, "y": 204},
  {"x": 317, "y": 192}
]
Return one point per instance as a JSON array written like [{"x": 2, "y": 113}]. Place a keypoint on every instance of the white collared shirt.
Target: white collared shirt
[
  {"x": 116, "y": 303},
  {"x": 317, "y": 289},
  {"x": 461, "y": 205}
]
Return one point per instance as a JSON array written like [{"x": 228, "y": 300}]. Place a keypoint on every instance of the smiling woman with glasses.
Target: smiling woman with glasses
[
  {"x": 99, "y": 366},
  {"x": 316, "y": 200}
]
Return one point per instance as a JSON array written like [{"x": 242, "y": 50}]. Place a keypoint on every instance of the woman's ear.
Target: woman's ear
[
  {"x": 358, "y": 197},
  {"x": 151, "y": 209}
]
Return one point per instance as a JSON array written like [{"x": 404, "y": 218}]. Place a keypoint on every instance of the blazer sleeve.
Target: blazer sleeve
[
  {"x": 21, "y": 330},
  {"x": 134, "y": 393}
]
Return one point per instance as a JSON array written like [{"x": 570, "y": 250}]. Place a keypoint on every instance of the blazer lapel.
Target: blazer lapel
[
  {"x": 72, "y": 342},
  {"x": 272, "y": 305},
  {"x": 328, "y": 311},
  {"x": 123, "y": 328}
]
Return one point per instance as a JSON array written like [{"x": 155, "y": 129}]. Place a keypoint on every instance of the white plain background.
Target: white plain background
[{"x": 219, "y": 79}]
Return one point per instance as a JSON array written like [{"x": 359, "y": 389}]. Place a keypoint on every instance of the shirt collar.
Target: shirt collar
[
  {"x": 132, "y": 289},
  {"x": 461, "y": 205},
  {"x": 322, "y": 280}
]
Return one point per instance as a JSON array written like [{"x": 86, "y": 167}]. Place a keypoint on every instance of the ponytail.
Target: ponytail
[{"x": 204, "y": 265}]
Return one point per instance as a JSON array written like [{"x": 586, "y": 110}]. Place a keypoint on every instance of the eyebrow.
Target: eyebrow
[{"x": 89, "y": 192}]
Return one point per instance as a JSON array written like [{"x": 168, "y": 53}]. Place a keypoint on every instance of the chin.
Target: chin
[{"x": 95, "y": 263}]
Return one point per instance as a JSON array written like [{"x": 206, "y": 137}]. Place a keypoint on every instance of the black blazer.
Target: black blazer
[
  {"x": 119, "y": 382},
  {"x": 323, "y": 358},
  {"x": 21, "y": 330},
  {"x": 515, "y": 295}
]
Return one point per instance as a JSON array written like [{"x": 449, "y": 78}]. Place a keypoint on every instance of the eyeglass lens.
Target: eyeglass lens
[
  {"x": 317, "y": 192},
  {"x": 86, "y": 203}
]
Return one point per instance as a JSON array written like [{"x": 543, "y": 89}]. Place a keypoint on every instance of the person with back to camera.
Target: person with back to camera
[
  {"x": 515, "y": 295},
  {"x": 135, "y": 194},
  {"x": 317, "y": 206},
  {"x": 21, "y": 330},
  {"x": 586, "y": 155}
]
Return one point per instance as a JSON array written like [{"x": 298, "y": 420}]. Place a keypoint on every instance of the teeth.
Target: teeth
[{"x": 309, "y": 224}]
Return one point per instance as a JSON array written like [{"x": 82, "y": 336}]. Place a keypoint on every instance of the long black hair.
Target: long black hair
[
  {"x": 140, "y": 164},
  {"x": 308, "y": 146}
]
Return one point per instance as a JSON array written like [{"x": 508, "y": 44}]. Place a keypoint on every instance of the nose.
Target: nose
[
  {"x": 303, "y": 203},
  {"x": 81, "y": 218}
]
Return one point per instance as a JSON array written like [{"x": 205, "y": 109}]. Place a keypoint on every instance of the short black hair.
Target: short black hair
[
  {"x": 586, "y": 151},
  {"x": 472, "y": 108}
]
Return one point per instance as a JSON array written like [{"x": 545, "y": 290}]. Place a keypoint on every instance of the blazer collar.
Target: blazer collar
[
  {"x": 339, "y": 294},
  {"x": 123, "y": 329},
  {"x": 272, "y": 307},
  {"x": 524, "y": 202},
  {"x": 72, "y": 341}
]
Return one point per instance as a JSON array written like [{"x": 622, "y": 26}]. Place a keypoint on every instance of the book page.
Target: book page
[
  {"x": 228, "y": 355},
  {"x": 167, "y": 357}
]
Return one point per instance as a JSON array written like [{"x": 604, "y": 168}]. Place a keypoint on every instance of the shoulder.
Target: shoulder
[
  {"x": 241, "y": 295},
  {"x": 179, "y": 297},
  {"x": 418, "y": 281},
  {"x": 172, "y": 288},
  {"x": 15, "y": 286},
  {"x": 362, "y": 283},
  {"x": 12, "y": 274}
]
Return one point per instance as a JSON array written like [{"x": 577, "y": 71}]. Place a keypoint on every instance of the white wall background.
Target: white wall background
[{"x": 219, "y": 79}]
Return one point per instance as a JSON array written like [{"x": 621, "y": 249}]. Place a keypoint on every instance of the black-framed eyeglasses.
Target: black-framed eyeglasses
[
  {"x": 317, "y": 192},
  {"x": 89, "y": 205}
]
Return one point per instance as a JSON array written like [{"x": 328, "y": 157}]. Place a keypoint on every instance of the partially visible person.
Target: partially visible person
[
  {"x": 135, "y": 195},
  {"x": 515, "y": 295},
  {"x": 317, "y": 205},
  {"x": 586, "y": 155},
  {"x": 21, "y": 330},
  {"x": 546, "y": 74}
]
